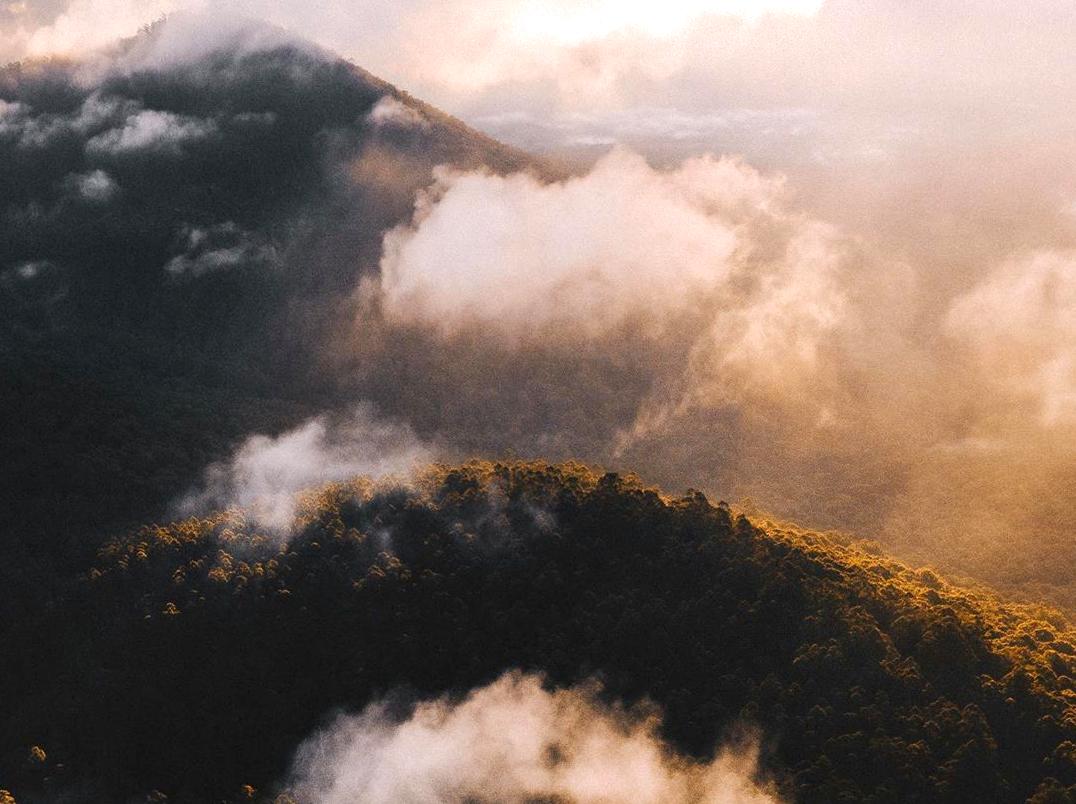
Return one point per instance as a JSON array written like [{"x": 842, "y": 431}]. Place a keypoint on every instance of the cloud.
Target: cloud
[
  {"x": 33, "y": 284},
  {"x": 196, "y": 32},
  {"x": 1021, "y": 324},
  {"x": 479, "y": 55},
  {"x": 16, "y": 123},
  {"x": 10, "y": 112},
  {"x": 219, "y": 247},
  {"x": 513, "y": 741},
  {"x": 390, "y": 112},
  {"x": 151, "y": 130},
  {"x": 707, "y": 243},
  {"x": 833, "y": 344},
  {"x": 520, "y": 254},
  {"x": 85, "y": 24},
  {"x": 32, "y": 129},
  {"x": 875, "y": 81},
  {"x": 27, "y": 271},
  {"x": 266, "y": 472},
  {"x": 682, "y": 131},
  {"x": 695, "y": 322},
  {"x": 94, "y": 186}
]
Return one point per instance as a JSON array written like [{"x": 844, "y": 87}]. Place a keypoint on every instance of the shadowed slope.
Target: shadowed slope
[{"x": 178, "y": 235}]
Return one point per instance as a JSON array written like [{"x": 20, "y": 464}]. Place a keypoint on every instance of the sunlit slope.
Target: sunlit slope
[{"x": 197, "y": 655}]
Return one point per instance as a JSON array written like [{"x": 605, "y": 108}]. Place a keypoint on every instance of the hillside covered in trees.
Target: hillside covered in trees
[
  {"x": 180, "y": 223},
  {"x": 193, "y": 658}
]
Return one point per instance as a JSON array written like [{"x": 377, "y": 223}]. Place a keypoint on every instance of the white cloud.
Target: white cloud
[
  {"x": 870, "y": 71},
  {"x": 1021, "y": 324},
  {"x": 95, "y": 185},
  {"x": 512, "y": 741},
  {"x": 12, "y": 118},
  {"x": 38, "y": 130},
  {"x": 86, "y": 24},
  {"x": 523, "y": 255},
  {"x": 265, "y": 473},
  {"x": 31, "y": 269},
  {"x": 194, "y": 33},
  {"x": 390, "y": 112},
  {"x": 151, "y": 130},
  {"x": 218, "y": 247},
  {"x": 706, "y": 248}
]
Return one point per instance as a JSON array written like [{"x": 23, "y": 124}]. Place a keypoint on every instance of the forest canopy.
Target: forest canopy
[{"x": 209, "y": 643}]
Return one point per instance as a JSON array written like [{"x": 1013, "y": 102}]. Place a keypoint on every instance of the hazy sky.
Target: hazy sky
[{"x": 784, "y": 81}]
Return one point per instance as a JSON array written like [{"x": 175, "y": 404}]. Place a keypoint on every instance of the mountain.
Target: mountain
[
  {"x": 194, "y": 657},
  {"x": 181, "y": 220}
]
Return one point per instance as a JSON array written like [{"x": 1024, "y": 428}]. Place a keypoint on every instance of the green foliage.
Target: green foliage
[{"x": 207, "y": 644}]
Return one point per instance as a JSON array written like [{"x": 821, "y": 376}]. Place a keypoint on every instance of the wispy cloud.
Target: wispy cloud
[
  {"x": 151, "y": 130},
  {"x": 266, "y": 472},
  {"x": 219, "y": 247}
]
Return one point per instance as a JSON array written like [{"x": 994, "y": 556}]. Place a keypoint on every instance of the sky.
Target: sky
[
  {"x": 809, "y": 87},
  {"x": 786, "y": 82}
]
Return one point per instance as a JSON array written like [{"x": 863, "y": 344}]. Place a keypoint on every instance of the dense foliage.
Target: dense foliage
[{"x": 208, "y": 645}]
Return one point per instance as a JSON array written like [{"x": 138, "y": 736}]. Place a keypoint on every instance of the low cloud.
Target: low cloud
[
  {"x": 513, "y": 741},
  {"x": 693, "y": 323},
  {"x": 838, "y": 346},
  {"x": 33, "y": 129},
  {"x": 196, "y": 31},
  {"x": 522, "y": 255},
  {"x": 150, "y": 130},
  {"x": 679, "y": 131},
  {"x": 94, "y": 186},
  {"x": 875, "y": 76},
  {"x": 31, "y": 270},
  {"x": 391, "y": 112},
  {"x": 1021, "y": 324},
  {"x": 215, "y": 248},
  {"x": 266, "y": 472},
  {"x": 707, "y": 247}
]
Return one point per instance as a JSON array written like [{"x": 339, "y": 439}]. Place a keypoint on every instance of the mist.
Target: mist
[
  {"x": 514, "y": 741},
  {"x": 712, "y": 330},
  {"x": 266, "y": 474}
]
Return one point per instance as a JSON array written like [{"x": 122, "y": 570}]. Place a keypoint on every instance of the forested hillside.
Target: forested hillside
[
  {"x": 180, "y": 225},
  {"x": 190, "y": 661}
]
